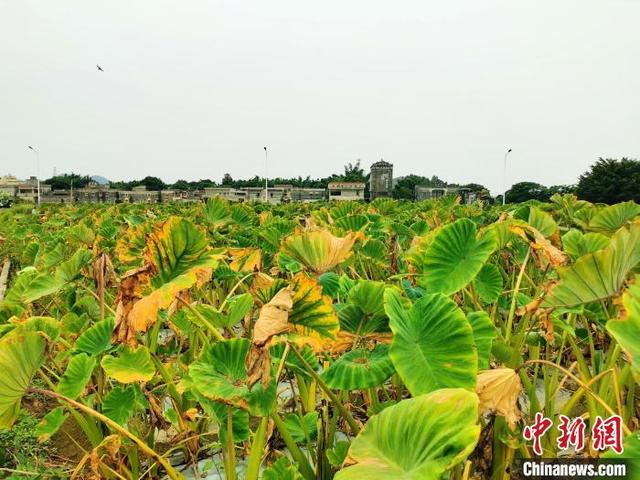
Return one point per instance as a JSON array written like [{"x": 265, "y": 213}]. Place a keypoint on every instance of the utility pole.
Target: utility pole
[
  {"x": 266, "y": 184},
  {"x": 504, "y": 178},
  {"x": 37, "y": 170}
]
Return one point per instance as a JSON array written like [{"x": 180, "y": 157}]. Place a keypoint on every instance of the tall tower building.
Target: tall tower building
[{"x": 381, "y": 180}]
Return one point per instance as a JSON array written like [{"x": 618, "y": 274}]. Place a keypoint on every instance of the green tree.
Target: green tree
[
  {"x": 561, "y": 189},
  {"x": 354, "y": 173},
  {"x": 181, "y": 185},
  {"x": 475, "y": 187},
  {"x": 523, "y": 191},
  {"x": 64, "y": 182},
  {"x": 611, "y": 181},
  {"x": 405, "y": 187},
  {"x": 152, "y": 183}
]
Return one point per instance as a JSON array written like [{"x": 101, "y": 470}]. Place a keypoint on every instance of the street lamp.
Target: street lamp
[
  {"x": 266, "y": 185},
  {"x": 504, "y": 178},
  {"x": 37, "y": 169}
]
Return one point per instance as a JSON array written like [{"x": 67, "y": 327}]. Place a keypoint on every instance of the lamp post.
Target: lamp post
[
  {"x": 504, "y": 178},
  {"x": 266, "y": 185},
  {"x": 37, "y": 169}
]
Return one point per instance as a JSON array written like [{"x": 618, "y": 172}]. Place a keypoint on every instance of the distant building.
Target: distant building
[
  {"x": 23, "y": 189},
  {"x": 306, "y": 195},
  {"x": 427, "y": 193},
  {"x": 381, "y": 180},
  {"x": 228, "y": 193},
  {"x": 275, "y": 195},
  {"x": 346, "y": 190}
]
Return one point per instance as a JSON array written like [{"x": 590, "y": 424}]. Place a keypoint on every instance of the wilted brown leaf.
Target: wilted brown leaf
[
  {"x": 498, "y": 391},
  {"x": 272, "y": 320},
  {"x": 129, "y": 292},
  {"x": 261, "y": 280},
  {"x": 538, "y": 242}
]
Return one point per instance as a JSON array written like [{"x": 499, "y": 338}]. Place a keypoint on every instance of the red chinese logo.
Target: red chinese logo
[
  {"x": 536, "y": 431},
  {"x": 571, "y": 433},
  {"x": 607, "y": 434}
]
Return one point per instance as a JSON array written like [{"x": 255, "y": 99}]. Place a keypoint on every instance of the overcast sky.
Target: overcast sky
[{"x": 193, "y": 89}]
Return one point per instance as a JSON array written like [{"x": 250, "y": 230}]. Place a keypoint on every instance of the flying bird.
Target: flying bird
[{"x": 99, "y": 68}]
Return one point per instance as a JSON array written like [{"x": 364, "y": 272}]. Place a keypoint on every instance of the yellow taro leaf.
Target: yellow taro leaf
[
  {"x": 318, "y": 249},
  {"x": 554, "y": 255},
  {"x": 312, "y": 315},
  {"x": 191, "y": 414},
  {"x": 273, "y": 318},
  {"x": 175, "y": 247},
  {"x": 131, "y": 244},
  {"x": 498, "y": 391},
  {"x": 344, "y": 341},
  {"x": 245, "y": 259},
  {"x": 261, "y": 280},
  {"x": 145, "y": 311},
  {"x": 177, "y": 257},
  {"x": 130, "y": 365}
]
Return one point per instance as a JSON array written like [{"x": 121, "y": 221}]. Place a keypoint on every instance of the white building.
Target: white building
[{"x": 346, "y": 190}]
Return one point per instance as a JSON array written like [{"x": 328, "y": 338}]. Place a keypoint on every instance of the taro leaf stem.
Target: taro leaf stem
[
  {"x": 171, "y": 472},
  {"x": 338, "y": 404},
  {"x": 583, "y": 385}
]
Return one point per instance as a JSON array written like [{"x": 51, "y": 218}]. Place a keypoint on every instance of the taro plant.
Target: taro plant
[{"x": 318, "y": 341}]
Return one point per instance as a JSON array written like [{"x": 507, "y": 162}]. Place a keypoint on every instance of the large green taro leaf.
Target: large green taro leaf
[
  {"x": 368, "y": 296},
  {"x": 50, "y": 424},
  {"x": 455, "y": 256},
  {"x": 488, "y": 283},
  {"x": 484, "y": 332},
  {"x": 359, "y": 369},
  {"x": 216, "y": 212},
  {"x": 611, "y": 218},
  {"x": 20, "y": 357},
  {"x": 433, "y": 345},
  {"x": 96, "y": 339},
  {"x": 221, "y": 375},
  {"x": 76, "y": 376},
  {"x": 626, "y": 330},
  {"x": 119, "y": 403},
  {"x": 600, "y": 275},
  {"x": 292, "y": 362},
  {"x": 419, "y": 438},
  {"x": 577, "y": 244},
  {"x": 542, "y": 221},
  {"x": 364, "y": 312},
  {"x": 32, "y": 286}
]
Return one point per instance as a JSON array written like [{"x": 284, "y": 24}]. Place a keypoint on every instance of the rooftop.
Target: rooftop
[
  {"x": 381, "y": 163},
  {"x": 354, "y": 185}
]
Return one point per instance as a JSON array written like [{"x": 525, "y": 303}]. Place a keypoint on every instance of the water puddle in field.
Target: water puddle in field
[{"x": 212, "y": 467}]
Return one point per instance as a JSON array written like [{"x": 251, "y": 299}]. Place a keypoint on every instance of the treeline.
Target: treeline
[
  {"x": 353, "y": 172},
  {"x": 608, "y": 181}
]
